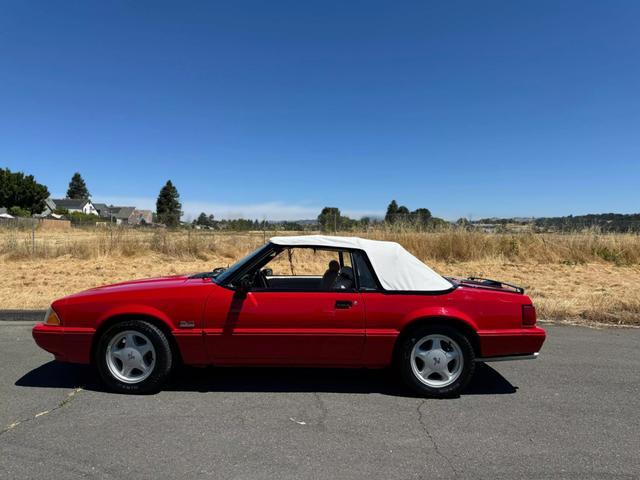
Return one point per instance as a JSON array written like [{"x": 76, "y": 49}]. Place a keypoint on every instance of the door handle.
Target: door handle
[{"x": 343, "y": 304}]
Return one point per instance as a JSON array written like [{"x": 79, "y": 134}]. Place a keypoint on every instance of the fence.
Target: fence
[
  {"x": 25, "y": 243},
  {"x": 27, "y": 223}
]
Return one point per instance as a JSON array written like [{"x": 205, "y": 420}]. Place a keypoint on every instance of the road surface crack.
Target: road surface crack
[
  {"x": 323, "y": 411},
  {"x": 65, "y": 401},
  {"x": 320, "y": 419},
  {"x": 425, "y": 427}
]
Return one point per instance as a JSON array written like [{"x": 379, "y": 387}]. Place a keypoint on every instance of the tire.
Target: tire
[
  {"x": 436, "y": 361},
  {"x": 134, "y": 357}
]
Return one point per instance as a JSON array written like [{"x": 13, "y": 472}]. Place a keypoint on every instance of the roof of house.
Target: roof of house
[
  {"x": 396, "y": 268},
  {"x": 70, "y": 203},
  {"x": 101, "y": 207},
  {"x": 121, "y": 212}
]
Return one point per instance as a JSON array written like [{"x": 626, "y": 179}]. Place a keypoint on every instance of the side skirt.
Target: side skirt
[{"x": 531, "y": 356}]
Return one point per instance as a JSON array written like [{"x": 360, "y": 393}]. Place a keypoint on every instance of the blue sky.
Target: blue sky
[{"x": 276, "y": 109}]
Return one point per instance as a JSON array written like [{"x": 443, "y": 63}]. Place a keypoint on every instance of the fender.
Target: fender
[
  {"x": 189, "y": 343},
  {"x": 135, "y": 309},
  {"x": 434, "y": 312},
  {"x": 381, "y": 343}
]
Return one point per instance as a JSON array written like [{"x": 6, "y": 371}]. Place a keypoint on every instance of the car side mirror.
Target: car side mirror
[
  {"x": 267, "y": 272},
  {"x": 243, "y": 286}
]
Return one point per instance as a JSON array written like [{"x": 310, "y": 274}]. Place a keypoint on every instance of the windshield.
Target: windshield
[{"x": 231, "y": 271}]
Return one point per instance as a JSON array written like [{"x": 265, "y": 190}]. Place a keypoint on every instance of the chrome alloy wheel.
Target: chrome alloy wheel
[
  {"x": 436, "y": 360},
  {"x": 130, "y": 356}
]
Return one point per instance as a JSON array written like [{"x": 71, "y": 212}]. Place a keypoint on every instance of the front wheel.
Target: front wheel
[
  {"x": 134, "y": 356},
  {"x": 436, "y": 361}
]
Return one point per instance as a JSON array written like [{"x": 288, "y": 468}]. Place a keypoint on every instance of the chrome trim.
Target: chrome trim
[{"x": 532, "y": 356}]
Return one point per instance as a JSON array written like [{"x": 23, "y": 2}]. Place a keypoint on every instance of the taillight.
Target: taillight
[{"x": 528, "y": 315}]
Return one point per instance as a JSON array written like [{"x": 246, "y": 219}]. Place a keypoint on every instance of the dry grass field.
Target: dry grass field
[{"x": 584, "y": 277}]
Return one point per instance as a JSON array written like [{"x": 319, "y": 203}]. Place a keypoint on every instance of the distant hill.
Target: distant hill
[{"x": 605, "y": 222}]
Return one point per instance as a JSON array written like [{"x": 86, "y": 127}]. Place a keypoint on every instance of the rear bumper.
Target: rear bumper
[
  {"x": 511, "y": 342},
  {"x": 66, "y": 344}
]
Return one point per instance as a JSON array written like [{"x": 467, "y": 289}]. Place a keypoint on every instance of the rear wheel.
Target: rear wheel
[
  {"x": 436, "y": 361},
  {"x": 134, "y": 356}
]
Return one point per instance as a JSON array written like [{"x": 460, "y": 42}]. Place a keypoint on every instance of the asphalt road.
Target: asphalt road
[{"x": 573, "y": 413}]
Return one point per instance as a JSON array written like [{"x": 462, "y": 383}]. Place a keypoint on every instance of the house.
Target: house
[
  {"x": 141, "y": 217},
  {"x": 4, "y": 213},
  {"x": 72, "y": 205},
  {"x": 120, "y": 215},
  {"x": 103, "y": 210},
  {"x": 130, "y": 215}
]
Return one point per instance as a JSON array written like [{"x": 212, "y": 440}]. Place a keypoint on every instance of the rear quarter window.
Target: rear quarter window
[{"x": 365, "y": 275}]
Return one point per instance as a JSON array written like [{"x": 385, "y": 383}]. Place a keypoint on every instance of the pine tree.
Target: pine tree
[
  {"x": 168, "y": 206},
  {"x": 77, "y": 188}
]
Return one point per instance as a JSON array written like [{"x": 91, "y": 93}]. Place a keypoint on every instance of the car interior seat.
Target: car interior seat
[{"x": 345, "y": 279}]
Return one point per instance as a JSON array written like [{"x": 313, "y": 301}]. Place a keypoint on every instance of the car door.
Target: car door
[{"x": 285, "y": 327}]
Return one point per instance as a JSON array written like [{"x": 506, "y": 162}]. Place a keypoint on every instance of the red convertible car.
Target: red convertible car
[{"x": 300, "y": 301}]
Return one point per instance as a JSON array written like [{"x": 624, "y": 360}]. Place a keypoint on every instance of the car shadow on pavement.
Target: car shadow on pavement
[
  {"x": 60, "y": 375},
  {"x": 486, "y": 380}
]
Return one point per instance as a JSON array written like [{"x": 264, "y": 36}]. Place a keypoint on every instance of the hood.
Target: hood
[{"x": 142, "y": 284}]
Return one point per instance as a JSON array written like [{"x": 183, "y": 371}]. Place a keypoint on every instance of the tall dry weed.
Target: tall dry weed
[{"x": 454, "y": 245}]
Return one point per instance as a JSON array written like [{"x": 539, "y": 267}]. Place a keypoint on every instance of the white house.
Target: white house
[{"x": 72, "y": 205}]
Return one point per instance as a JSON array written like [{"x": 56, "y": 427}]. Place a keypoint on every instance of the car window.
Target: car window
[
  {"x": 365, "y": 275},
  {"x": 307, "y": 269},
  {"x": 301, "y": 261},
  {"x": 231, "y": 271},
  {"x": 346, "y": 260}
]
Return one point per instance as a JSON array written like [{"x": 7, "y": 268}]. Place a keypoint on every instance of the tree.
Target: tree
[
  {"x": 168, "y": 206},
  {"x": 329, "y": 219},
  {"x": 463, "y": 223},
  {"x": 204, "y": 220},
  {"x": 77, "y": 188},
  {"x": 19, "y": 212},
  {"x": 392, "y": 211},
  {"x": 20, "y": 190},
  {"x": 422, "y": 216},
  {"x": 403, "y": 214}
]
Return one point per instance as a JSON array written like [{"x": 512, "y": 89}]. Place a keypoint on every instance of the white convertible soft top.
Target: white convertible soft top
[{"x": 396, "y": 268}]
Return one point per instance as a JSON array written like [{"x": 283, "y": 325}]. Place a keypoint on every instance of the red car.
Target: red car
[{"x": 314, "y": 300}]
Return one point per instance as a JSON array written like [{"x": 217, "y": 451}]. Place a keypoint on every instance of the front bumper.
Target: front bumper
[
  {"x": 511, "y": 342},
  {"x": 67, "y": 344}
]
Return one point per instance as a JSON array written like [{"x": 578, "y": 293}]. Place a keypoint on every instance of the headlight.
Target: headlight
[{"x": 51, "y": 317}]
